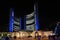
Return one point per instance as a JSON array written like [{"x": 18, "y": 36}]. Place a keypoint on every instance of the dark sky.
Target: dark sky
[
  {"x": 48, "y": 14},
  {"x": 46, "y": 9}
]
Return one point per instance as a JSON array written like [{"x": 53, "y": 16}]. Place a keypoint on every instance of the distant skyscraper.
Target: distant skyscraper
[
  {"x": 36, "y": 15},
  {"x": 14, "y": 23},
  {"x": 30, "y": 22},
  {"x": 11, "y": 20},
  {"x": 31, "y": 19}
]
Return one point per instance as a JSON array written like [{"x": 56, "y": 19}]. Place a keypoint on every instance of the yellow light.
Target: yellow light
[
  {"x": 17, "y": 34},
  {"x": 12, "y": 35},
  {"x": 2, "y": 34},
  {"x": 39, "y": 33}
]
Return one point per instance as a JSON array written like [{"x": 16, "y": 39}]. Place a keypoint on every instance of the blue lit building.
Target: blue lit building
[
  {"x": 31, "y": 20},
  {"x": 11, "y": 20}
]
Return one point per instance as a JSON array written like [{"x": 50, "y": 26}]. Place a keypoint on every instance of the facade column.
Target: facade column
[
  {"x": 11, "y": 20},
  {"x": 20, "y": 23},
  {"x": 36, "y": 15}
]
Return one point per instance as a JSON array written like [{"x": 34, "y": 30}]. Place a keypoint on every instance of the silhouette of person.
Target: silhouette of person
[{"x": 37, "y": 36}]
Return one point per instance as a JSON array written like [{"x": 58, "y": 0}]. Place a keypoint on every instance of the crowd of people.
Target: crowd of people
[{"x": 37, "y": 37}]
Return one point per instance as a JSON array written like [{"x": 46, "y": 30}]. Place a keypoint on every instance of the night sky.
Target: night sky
[{"x": 48, "y": 15}]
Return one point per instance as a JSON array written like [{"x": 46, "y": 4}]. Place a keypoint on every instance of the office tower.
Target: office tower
[
  {"x": 14, "y": 22},
  {"x": 11, "y": 20},
  {"x": 31, "y": 19},
  {"x": 30, "y": 22}
]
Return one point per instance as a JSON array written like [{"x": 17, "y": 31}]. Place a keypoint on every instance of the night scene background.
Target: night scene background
[{"x": 47, "y": 13}]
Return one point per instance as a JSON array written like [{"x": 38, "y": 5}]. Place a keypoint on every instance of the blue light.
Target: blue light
[
  {"x": 11, "y": 20},
  {"x": 20, "y": 23},
  {"x": 36, "y": 17},
  {"x": 36, "y": 22}
]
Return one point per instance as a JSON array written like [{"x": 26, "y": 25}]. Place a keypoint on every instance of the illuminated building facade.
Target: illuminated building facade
[
  {"x": 14, "y": 23},
  {"x": 30, "y": 21},
  {"x": 11, "y": 20}
]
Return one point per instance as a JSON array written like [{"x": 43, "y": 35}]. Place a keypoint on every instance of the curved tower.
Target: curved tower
[{"x": 31, "y": 20}]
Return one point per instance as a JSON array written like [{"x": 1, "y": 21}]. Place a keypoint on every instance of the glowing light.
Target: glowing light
[
  {"x": 36, "y": 17},
  {"x": 8, "y": 35},
  {"x": 17, "y": 34},
  {"x": 2, "y": 34},
  {"x": 12, "y": 35},
  {"x": 11, "y": 20}
]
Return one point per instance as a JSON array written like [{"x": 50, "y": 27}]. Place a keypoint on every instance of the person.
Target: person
[
  {"x": 29, "y": 37},
  {"x": 37, "y": 36}
]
